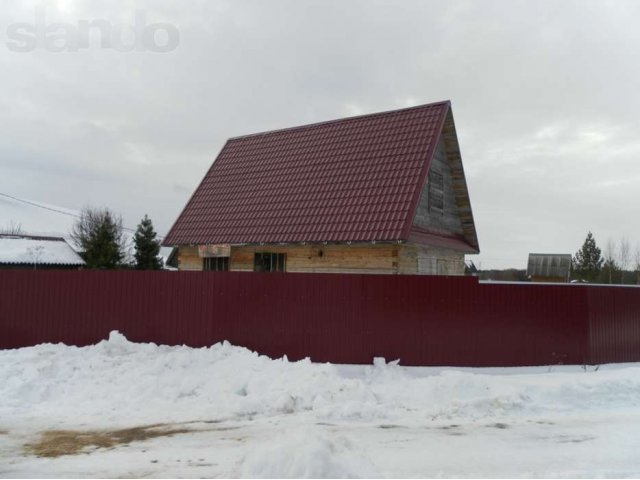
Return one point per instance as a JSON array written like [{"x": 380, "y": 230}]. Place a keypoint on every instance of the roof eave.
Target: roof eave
[
  {"x": 434, "y": 239},
  {"x": 297, "y": 242}
]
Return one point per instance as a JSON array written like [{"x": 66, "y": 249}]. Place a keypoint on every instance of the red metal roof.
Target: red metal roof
[{"x": 355, "y": 179}]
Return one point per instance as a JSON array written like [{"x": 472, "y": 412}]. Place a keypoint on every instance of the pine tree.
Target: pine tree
[
  {"x": 587, "y": 262},
  {"x": 147, "y": 246},
  {"x": 98, "y": 233}
]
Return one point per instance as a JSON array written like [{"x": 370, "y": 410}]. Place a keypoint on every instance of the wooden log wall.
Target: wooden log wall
[
  {"x": 379, "y": 258},
  {"x": 361, "y": 258}
]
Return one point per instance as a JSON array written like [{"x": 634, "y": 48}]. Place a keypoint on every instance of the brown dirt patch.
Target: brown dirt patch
[
  {"x": 4, "y": 432},
  {"x": 55, "y": 443}
]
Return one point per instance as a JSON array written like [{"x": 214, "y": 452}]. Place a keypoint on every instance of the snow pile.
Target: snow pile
[
  {"x": 117, "y": 380},
  {"x": 307, "y": 454}
]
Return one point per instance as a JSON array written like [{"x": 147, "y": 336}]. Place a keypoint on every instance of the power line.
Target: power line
[
  {"x": 40, "y": 206},
  {"x": 52, "y": 209}
]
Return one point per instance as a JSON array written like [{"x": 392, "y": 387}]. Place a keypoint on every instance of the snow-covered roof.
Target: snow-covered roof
[{"x": 21, "y": 249}]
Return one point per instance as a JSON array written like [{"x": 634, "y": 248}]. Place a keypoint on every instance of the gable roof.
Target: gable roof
[
  {"x": 30, "y": 249},
  {"x": 356, "y": 179}
]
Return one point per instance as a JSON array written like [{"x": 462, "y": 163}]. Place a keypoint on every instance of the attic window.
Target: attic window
[
  {"x": 269, "y": 262},
  {"x": 436, "y": 192}
]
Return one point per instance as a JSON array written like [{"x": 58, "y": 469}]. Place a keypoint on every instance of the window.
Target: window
[
  {"x": 269, "y": 262},
  {"x": 436, "y": 192},
  {"x": 216, "y": 264}
]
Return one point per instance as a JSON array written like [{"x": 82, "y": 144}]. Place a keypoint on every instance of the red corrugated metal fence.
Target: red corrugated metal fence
[{"x": 421, "y": 320}]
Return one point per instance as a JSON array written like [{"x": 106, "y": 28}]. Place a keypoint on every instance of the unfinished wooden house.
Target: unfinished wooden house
[{"x": 380, "y": 193}]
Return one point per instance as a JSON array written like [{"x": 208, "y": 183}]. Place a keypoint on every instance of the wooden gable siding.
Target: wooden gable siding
[
  {"x": 404, "y": 259},
  {"x": 448, "y": 219},
  {"x": 459, "y": 182},
  {"x": 456, "y": 219}
]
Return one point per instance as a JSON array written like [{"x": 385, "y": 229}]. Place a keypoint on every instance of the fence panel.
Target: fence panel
[{"x": 421, "y": 320}]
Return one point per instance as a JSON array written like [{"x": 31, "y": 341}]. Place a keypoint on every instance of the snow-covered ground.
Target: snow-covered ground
[{"x": 238, "y": 414}]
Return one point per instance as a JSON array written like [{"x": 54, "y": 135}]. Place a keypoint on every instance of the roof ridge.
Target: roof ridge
[
  {"x": 343, "y": 119},
  {"x": 28, "y": 236}
]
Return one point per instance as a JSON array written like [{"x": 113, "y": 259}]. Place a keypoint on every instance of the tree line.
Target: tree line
[
  {"x": 99, "y": 235},
  {"x": 618, "y": 264}
]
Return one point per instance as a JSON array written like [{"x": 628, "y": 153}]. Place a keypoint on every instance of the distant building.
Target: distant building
[
  {"x": 382, "y": 193},
  {"x": 37, "y": 253},
  {"x": 547, "y": 267}
]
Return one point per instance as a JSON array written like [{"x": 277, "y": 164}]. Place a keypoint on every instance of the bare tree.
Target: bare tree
[
  {"x": 610, "y": 264},
  {"x": 624, "y": 253},
  {"x": 636, "y": 262},
  {"x": 624, "y": 256},
  {"x": 12, "y": 228},
  {"x": 36, "y": 253}
]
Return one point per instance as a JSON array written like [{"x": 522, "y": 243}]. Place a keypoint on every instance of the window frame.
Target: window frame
[
  {"x": 215, "y": 264},
  {"x": 269, "y": 262}
]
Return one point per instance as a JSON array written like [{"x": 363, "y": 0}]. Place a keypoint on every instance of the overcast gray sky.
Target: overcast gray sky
[{"x": 545, "y": 96}]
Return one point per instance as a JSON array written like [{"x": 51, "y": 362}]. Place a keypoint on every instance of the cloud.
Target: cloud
[{"x": 543, "y": 97}]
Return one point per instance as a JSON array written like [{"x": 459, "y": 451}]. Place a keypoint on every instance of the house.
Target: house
[
  {"x": 546, "y": 267},
  {"x": 37, "y": 252},
  {"x": 379, "y": 193}
]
